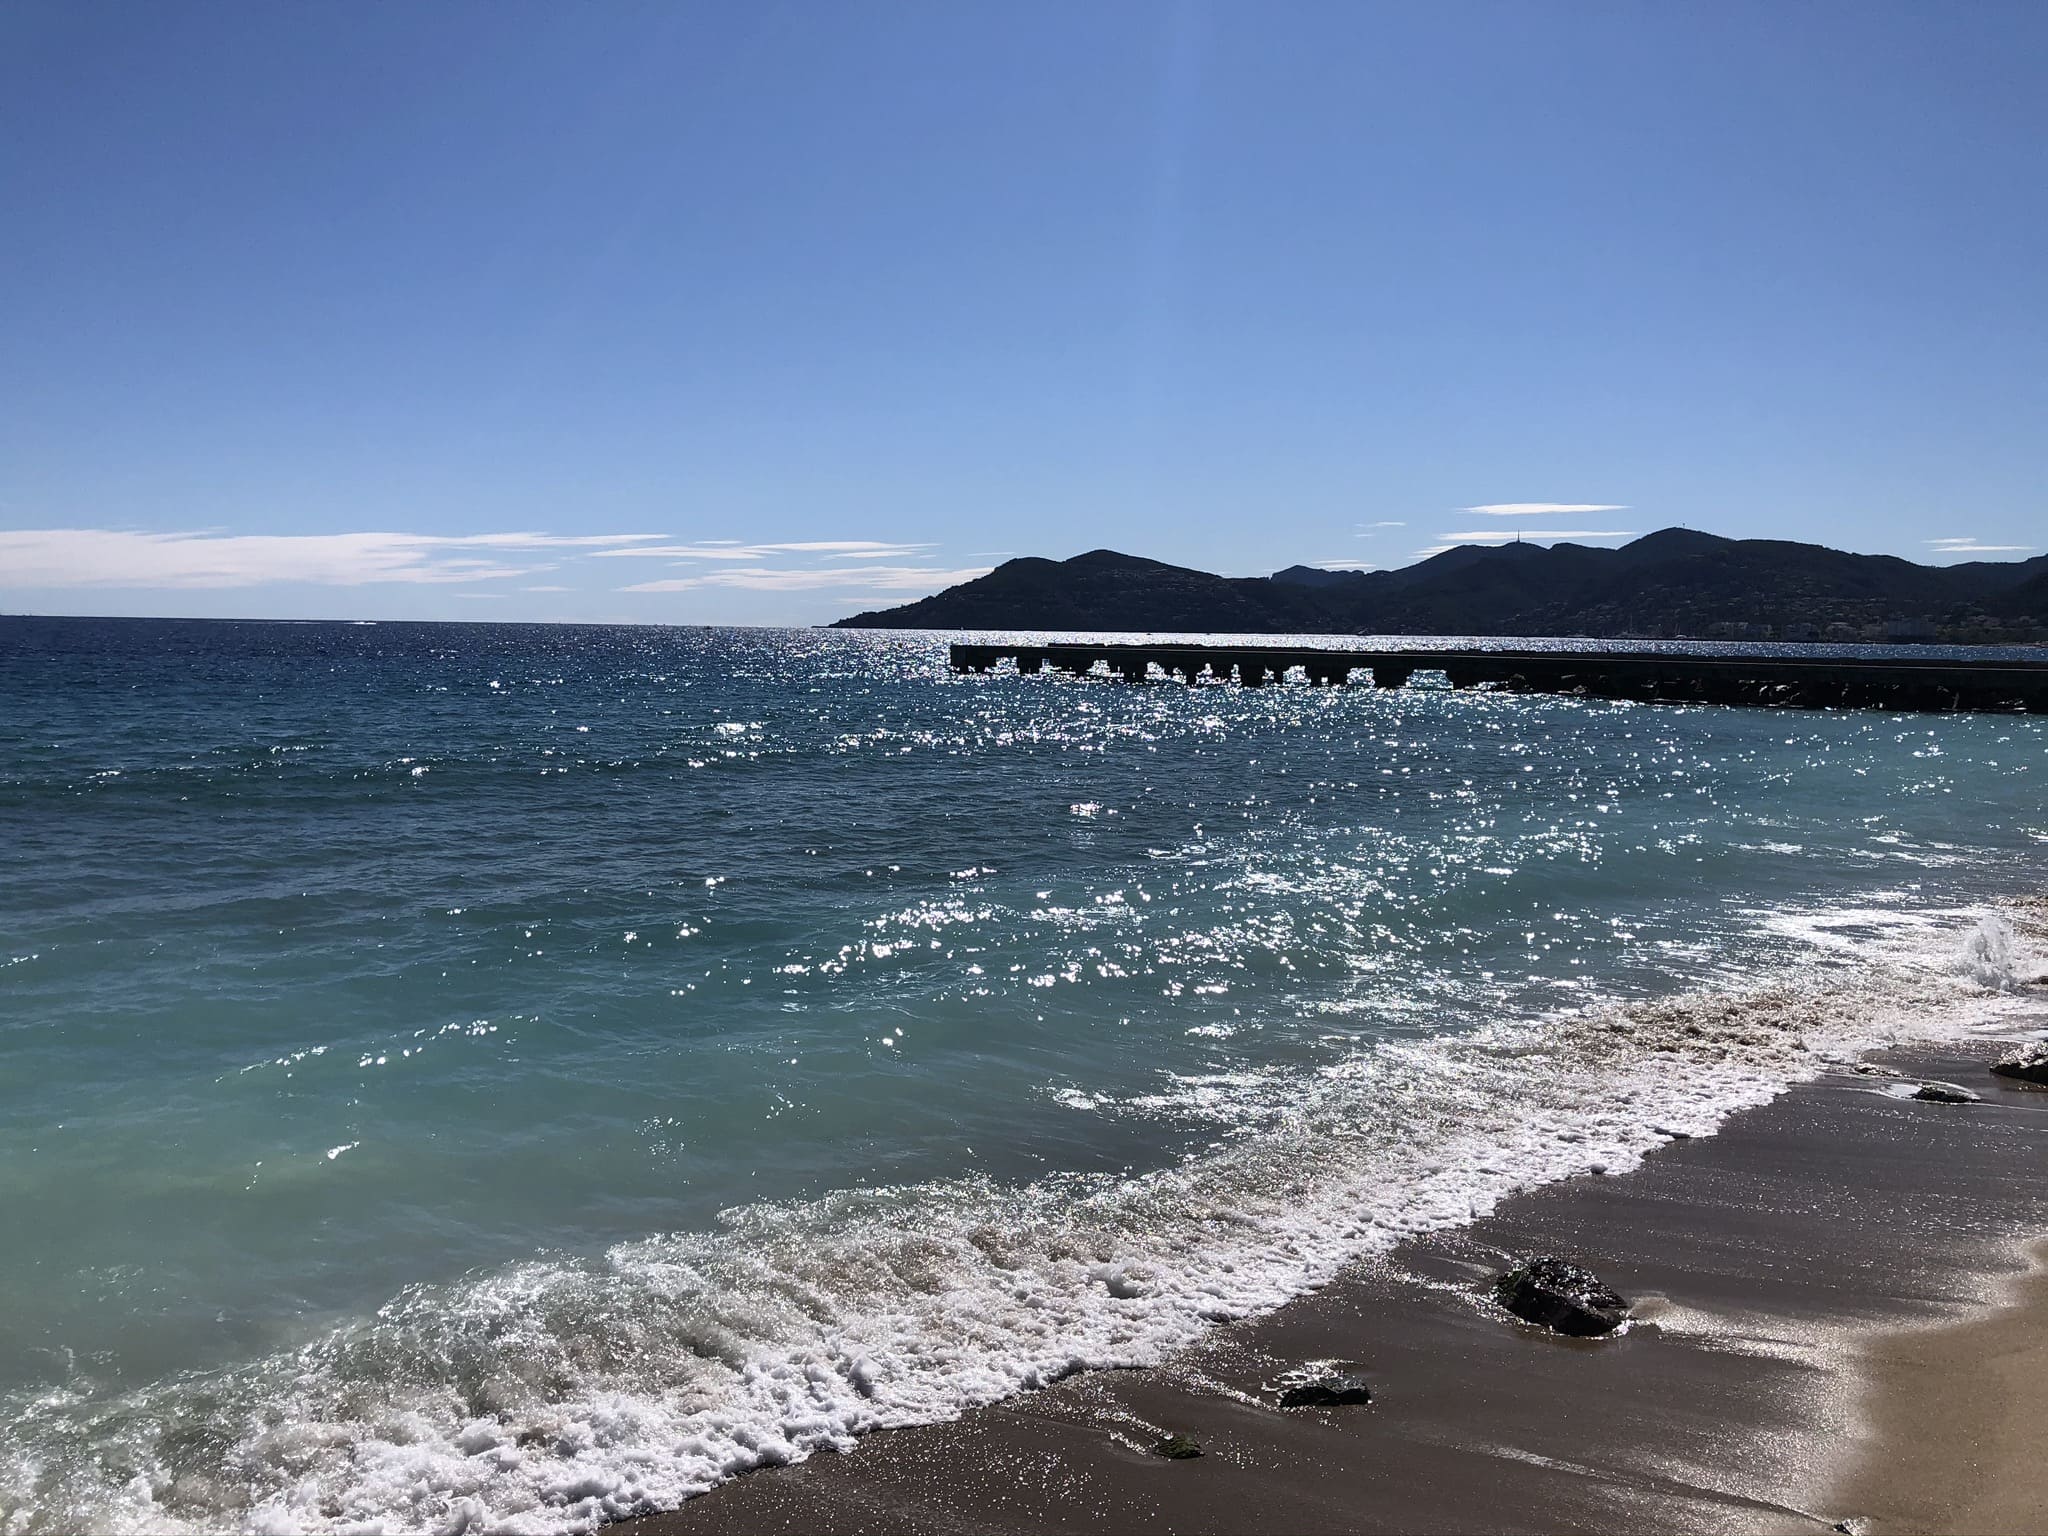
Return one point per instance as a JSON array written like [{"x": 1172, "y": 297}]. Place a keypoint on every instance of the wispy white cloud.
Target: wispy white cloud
[
  {"x": 728, "y": 549},
  {"x": 703, "y": 551},
  {"x": 1503, "y": 535},
  {"x": 1432, "y": 549},
  {"x": 869, "y": 578},
  {"x": 857, "y": 549},
  {"x": 1341, "y": 563},
  {"x": 1366, "y": 530},
  {"x": 201, "y": 559},
  {"x": 108, "y": 557},
  {"x": 1968, "y": 545},
  {"x": 1541, "y": 508}
]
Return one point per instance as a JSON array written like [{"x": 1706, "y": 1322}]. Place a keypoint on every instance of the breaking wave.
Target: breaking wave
[{"x": 554, "y": 1395}]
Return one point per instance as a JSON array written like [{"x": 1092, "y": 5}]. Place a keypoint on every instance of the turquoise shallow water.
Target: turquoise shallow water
[{"x": 516, "y": 1075}]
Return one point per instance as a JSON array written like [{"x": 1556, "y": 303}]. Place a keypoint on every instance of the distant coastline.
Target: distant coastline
[{"x": 1671, "y": 585}]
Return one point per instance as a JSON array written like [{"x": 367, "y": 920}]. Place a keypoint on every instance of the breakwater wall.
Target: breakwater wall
[{"x": 1775, "y": 680}]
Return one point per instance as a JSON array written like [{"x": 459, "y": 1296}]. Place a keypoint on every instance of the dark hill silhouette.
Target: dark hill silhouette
[
  {"x": 1314, "y": 576},
  {"x": 2023, "y": 601},
  {"x": 1676, "y": 582},
  {"x": 1101, "y": 590}
]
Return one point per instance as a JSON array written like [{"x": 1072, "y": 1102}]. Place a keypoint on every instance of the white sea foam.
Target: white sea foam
[
  {"x": 552, "y": 1396},
  {"x": 1989, "y": 955}
]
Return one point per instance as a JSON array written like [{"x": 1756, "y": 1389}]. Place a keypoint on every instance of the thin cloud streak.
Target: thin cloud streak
[
  {"x": 727, "y": 549},
  {"x": 1541, "y": 508},
  {"x": 1503, "y": 535},
  {"x": 905, "y": 578},
  {"x": 1968, "y": 545},
  {"x": 106, "y": 557}
]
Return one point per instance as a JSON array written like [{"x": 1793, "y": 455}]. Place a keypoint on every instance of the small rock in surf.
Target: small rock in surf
[
  {"x": 1945, "y": 1093},
  {"x": 1561, "y": 1296},
  {"x": 2027, "y": 1066},
  {"x": 1177, "y": 1448},
  {"x": 1331, "y": 1389}
]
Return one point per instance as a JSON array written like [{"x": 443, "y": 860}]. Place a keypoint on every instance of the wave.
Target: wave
[{"x": 555, "y": 1395}]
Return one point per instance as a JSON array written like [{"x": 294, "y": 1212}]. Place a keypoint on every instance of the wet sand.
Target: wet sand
[
  {"x": 1953, "y": 1421},
  {"x": 1820, "y": 1338}
]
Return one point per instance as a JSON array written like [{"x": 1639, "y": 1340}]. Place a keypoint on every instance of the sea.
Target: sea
[{"x": 470, "y": 1077}]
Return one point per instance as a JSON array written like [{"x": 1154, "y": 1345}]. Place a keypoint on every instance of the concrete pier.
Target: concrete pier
[{"x": 1772, "y": 681}]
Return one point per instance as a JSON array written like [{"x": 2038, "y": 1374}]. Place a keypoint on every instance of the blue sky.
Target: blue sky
[{"x": 770, "y": 313}]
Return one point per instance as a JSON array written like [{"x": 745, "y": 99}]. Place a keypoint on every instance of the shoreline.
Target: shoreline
[{"x": 1799, "y": 1279}]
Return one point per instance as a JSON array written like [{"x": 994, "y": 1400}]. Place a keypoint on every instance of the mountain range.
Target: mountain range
[{"x": 1677, "y": 583}]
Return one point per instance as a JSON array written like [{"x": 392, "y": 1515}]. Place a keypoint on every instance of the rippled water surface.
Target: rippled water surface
[{"x": 521, "y": 1074}]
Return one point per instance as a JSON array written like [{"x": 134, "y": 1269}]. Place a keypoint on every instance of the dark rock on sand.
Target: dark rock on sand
[
  {"x": 1177, "y": 1448},
  {"x": 1561, "y": 1296},
  {"x": 2026, "y": 1066},
  {"x": 1336, "y": 1389},
  {"x": 1945, "y": 1093}
]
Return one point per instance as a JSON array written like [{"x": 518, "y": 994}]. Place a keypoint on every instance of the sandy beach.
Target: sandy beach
[
  {"x": 1837, "y": 1319},
  {"x": 1951, "y": 1420}
]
